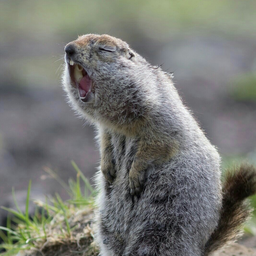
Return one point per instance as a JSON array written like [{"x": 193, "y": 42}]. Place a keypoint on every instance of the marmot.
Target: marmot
[{"x": 159, "y": 184}]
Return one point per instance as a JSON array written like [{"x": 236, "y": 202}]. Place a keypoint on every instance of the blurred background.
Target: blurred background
[{"x": 209, "y": 45}]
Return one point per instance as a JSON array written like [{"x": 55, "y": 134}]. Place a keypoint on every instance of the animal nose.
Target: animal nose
[{"x": 70, "y": 49}]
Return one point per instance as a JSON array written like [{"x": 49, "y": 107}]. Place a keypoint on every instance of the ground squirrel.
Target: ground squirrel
[{"x": 159, "y": 184}]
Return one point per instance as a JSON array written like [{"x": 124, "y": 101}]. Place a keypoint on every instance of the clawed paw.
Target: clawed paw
[
  {"x": 109, "y": 173},
  {"x": 136, "y": 182}
]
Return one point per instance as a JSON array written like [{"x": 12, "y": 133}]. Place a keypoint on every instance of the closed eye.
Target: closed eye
[{"x": 107, "y": 48}]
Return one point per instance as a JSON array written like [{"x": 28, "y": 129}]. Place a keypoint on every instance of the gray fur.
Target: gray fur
[{"x": 171, "y": 206}]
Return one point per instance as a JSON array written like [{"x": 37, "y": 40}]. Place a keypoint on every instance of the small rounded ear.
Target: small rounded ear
[{"x": 130, "y": 54}]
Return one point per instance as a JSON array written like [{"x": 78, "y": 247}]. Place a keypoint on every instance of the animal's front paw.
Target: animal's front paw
[
  {"x": 136, "y": 182},
  {"x": 109, "y": 172}
]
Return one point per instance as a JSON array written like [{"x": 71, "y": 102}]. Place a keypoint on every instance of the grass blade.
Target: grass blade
[
  {"x": 27, "y": 201},
  {"x": 9, "y": 231},
  {"x": 18, "y": 214},
  {"x": 57, "y": 178},
  {"x": 85, "y": 180},
  {"x": 62, "y": 206},
  {"x": 15, "y": 201}
]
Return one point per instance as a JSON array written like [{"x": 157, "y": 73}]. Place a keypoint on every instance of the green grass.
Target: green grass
[
  {"x": 51, "y": 219},
  {"x": 57, "y": 221},
  {"x": 28, "y": 229}
]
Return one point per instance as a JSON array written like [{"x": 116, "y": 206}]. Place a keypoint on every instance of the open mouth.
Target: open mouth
[{"x": 81, "y": 81}]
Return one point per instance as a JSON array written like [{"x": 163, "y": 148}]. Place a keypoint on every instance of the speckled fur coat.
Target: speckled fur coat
[{"x": 159, "y": 183}]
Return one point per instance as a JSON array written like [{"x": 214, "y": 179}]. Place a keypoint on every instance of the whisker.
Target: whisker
[
  {"x": 59, "y": 69},
  {"x": 59, "y": 59}
]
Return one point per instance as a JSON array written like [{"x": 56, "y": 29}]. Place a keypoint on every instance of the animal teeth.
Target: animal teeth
[
  {"x": 79, "y": 68},
  {"x": 71, "y": 63},
  {"x": 77, "y": 73}
]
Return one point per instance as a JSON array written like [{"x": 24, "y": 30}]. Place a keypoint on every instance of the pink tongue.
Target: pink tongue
[{"x": 84, "y": 86}]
